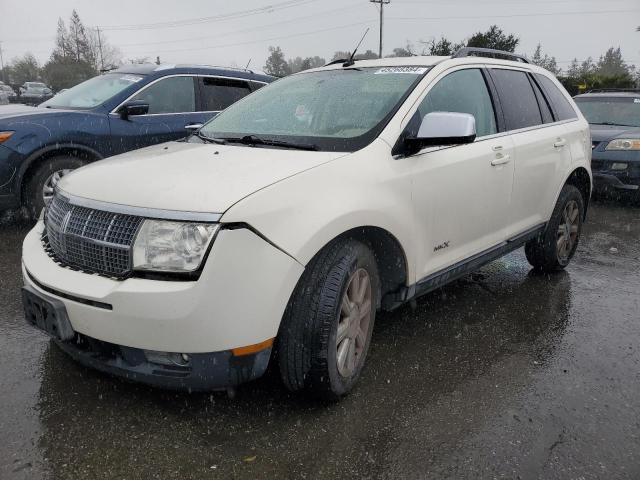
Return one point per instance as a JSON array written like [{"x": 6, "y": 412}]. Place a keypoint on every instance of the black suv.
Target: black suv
[{"x": 614, "y": 117}]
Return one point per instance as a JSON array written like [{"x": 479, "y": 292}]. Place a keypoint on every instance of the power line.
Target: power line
[
  {"x": 215, "y": 18},
  {"x": 246, "y": 30},
  {"x": 471, "y": 17},
  {"x": 281, "y": 37}
]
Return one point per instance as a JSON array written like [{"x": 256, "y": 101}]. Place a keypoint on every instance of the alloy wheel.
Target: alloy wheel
[
  {"x": 354, "y": 324},
  {"x": 568, "y": 230}
]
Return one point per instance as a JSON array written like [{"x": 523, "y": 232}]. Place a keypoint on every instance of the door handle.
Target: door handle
[
  {"x": 500, "y": 160},
  {"x": 193, "y": 126},
  {"x": 559, "y": 143}
]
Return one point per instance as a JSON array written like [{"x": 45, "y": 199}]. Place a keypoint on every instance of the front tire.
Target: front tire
[
  {"x": 40, "y": 186},
  {"x": 555, "y": 247},
  {"x": 326, "y": 329}
]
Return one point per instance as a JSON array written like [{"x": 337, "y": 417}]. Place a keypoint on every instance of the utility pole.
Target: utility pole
[
  {"x": 4, "y": 73},
  {"x": 382, "y": 4},
  {"x": 100, "y": 47}
]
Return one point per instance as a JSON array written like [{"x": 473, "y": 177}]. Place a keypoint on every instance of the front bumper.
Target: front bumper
[
  {"x": 605, "y": 178},
  {"x": 238, "y": 300},
  {"x": 203, "y": 372}
]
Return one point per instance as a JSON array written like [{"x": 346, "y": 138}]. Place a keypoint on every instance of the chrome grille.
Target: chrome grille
[{"x": 91, "y": 240}]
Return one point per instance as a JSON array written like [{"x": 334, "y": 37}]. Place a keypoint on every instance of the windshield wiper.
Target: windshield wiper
[
  {"x": 254, "y": 140},
  {"x": 219, "y": 141},
  {"x": 613, "y": 124}
]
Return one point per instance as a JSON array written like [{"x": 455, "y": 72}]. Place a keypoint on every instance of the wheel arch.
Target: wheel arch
[
  {"x": 33, "y": 161},
  {"x": 391, "y": 258},
  {"x": 581, "y": 179}
]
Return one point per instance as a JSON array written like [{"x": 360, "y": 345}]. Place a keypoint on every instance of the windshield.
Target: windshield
[
  {"x": 342, "y": 109},
  {"x": 624, "y": 111},
  {"x": 94, "y": 91}
]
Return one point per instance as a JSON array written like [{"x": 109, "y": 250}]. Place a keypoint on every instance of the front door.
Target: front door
[
  {"x": 461, "y": 193},
  {"x": 172, "y": 107}
]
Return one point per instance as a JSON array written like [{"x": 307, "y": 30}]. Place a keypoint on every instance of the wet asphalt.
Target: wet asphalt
[{"x": 504, "y": 374}]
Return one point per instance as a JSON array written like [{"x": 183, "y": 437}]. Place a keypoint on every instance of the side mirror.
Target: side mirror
[
  {"x": 441, "y": 129},
  {"x": 134, "y": 107}
]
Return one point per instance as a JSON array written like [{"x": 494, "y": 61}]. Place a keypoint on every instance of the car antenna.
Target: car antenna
[
  {"x": 351, "y": 61},
  {"x": 248, "y": 63}
]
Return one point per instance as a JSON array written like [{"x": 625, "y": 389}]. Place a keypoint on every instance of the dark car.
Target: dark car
[
  {"x": 614, "y": 117},
  {"x": 128, "y": 108},
  {"x": 34, "y": 93}
]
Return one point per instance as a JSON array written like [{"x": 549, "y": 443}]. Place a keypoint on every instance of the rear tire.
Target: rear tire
[
  {"x": 326, "y": 329},
  {"x": 553, "y": 249},
  {"x": 46, "y": 175}
]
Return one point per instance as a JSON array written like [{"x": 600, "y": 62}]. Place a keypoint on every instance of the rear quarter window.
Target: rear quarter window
[
  {"x": 517, "y": 98},
  {"x": 561, "y": 106}
]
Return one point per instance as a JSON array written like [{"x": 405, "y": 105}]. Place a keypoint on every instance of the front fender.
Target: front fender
[{"x": 305, "y": 212}]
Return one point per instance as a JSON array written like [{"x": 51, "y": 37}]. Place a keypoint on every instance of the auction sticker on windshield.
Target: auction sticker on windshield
[{"x": 413, "y": 70}]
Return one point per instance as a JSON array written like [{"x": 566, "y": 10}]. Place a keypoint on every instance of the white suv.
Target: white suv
[{"x": 282, "y": 226}]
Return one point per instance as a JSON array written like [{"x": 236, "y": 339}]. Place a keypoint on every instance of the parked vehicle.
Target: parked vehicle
[
  {"x": 5, "y": 92},
  {"x": 614, "y": 118},
  {"x": 132, "y": 107},
  {"x": 34, "y": 94},
  {"x": 292, "y": 217}
]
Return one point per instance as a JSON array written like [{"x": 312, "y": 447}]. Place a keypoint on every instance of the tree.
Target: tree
[
  {"x": 574, "y": 69},
  {"x": 24, "y": 69},
  {"x": 612, "y": 64},
  {"x": 443, "y": 47},
  {"x": 545, "y": 61},
  {"x": 78, "y": 54},
  {"x": 276, "y": 64},
  {"x": 494, "y": 38},
  {"x": 368, "y": 55},
  {"x": 401, "y": 52},
  {"x": 299, "y": 64}
]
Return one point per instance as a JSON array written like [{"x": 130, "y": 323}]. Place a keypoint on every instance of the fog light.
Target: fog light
[
  {"x": 619, "y": 166},
  {"x": 167, "y": 358}
]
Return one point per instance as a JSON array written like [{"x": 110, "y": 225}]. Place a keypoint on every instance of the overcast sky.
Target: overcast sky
[{"x": 243, "y": 30}]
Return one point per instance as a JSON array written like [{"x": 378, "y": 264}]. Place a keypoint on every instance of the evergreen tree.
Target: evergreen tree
[{"x": 276, "y": 64}]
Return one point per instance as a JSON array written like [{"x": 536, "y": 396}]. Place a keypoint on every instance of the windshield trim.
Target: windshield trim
[{"x": 337, "y": 144}]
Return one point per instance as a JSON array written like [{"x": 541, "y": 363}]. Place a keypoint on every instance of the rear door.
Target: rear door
[
  {"x": 172, "y": 107},
  {"x": 217, "y": 93},
  {"x": 541, "y": 148}
]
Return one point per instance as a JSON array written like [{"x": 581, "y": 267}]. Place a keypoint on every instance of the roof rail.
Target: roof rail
[
  {"x": 488, "y": 52},
  {"x": 222, "y": 67},
  {"x": 613, "y": 90},
  {"x": 339, "y": 60}
]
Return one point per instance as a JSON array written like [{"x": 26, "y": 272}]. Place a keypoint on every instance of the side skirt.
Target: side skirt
[{"x": 393, "y": 300}]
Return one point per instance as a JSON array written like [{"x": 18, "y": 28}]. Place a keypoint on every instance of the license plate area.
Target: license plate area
[{"x": 47, "y": 314}]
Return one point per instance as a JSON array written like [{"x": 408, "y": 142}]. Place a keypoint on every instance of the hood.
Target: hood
[
  {"x": 189, "y": 177},
  {"x": 604, "y": 133},
  {"x": 12, "y": 111}
]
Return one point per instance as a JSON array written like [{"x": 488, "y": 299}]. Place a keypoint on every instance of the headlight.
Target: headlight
[
  {"x": 4, "y": 136},
  {"x": 172, "y": 246},
  {"x": 624, "y": 144}
]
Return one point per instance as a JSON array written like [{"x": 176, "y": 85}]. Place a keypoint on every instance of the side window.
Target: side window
[
  {"x": 219, "y": 93},
  {"x": 517, "y": 98},
  {"x": 545, "y": 109},
  {"x": 170, "y": 95},
  {"x": 560, "y": 104},
  {"x": 463, "y": 91},
  {"x": 257, "y": 85}
]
